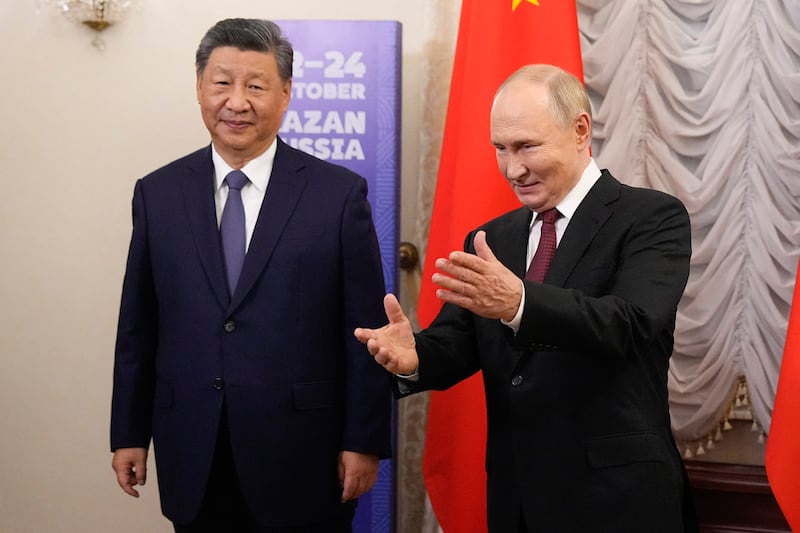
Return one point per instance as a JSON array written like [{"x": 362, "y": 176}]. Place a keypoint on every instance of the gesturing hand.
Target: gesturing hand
[
  {"x": 479, "y": 283},
  {"x": 393, "y": 345}
]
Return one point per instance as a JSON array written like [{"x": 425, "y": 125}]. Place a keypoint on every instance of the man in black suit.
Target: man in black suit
[
  {"x": 266, "y": 415},
  {"x": 574, "y": 367}
]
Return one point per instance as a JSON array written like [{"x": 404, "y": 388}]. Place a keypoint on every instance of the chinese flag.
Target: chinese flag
[
  {"x": 495, "y": 38},
  {"x": 783, "y": 444}
]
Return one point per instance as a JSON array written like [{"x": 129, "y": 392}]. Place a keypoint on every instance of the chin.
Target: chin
[
  {"x": 234, "y": 142},
  {"x": 529, "y": 202}
]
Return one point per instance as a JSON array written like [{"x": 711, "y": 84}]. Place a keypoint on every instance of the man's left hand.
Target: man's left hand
[
  {"x": 357, "y": 473},
  {"x": 479, "y": 283}
]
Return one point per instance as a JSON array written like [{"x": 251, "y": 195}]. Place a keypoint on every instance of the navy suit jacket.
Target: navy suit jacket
[
  {"x": 578, "y": 420},
  {"x": 297, "y": 385}
]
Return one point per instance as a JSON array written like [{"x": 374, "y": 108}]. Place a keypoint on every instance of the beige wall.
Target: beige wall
[{"x": 78, "y": 127}]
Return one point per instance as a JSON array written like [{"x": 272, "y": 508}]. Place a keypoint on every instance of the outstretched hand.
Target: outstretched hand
[
  {"x": 479, "y": 283},
  {"x": 393, "y": 345}
]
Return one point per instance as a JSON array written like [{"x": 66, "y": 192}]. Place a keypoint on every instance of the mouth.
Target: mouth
[
  {"x": 236, "y": 124},
  {"x": 527, "y": 187}
]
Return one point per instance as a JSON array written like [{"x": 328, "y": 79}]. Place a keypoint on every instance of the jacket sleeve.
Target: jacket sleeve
[
  {"x": 368, "y": 393},
  {"x": 134, "y": 359}
]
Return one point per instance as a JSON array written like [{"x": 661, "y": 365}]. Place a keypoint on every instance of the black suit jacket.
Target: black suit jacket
[
  {"x": 297, "y": 385},
  {"x": 578, "y": 421}
]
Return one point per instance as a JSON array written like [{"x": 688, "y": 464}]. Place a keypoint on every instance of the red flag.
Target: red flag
[
  {"x": 783, "y": 444},
  {"x": 495, "y": 38}
]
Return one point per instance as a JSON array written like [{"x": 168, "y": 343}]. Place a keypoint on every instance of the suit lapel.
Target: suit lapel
[
  {"x": 510, "y": 242},
  {"x": 197, "y": 184},
  {"x": 590, "y": 216},
  {"x": 510, "y": 245},
  {"x": 286, "y": 185}
]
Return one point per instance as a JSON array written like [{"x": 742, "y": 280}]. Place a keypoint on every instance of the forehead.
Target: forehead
[
  {"x": 520, "y": 97},
  {"x": 521, "y": 106},
  {"x": 229, "y": 59}
]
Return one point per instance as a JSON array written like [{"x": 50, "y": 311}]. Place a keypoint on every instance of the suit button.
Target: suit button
[
  {"x": 219, "y": 383},
  {"x": 229, "y": 326},
  {"x": 517, "y": 380}
]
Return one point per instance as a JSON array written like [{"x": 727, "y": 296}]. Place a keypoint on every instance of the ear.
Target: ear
[
  {"x": 583, "y": 131},
  {"x": 287, "y": 92},
  {"x": 198, "y": 84}
]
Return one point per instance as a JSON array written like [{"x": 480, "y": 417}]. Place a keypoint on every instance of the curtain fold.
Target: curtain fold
[{"x": 701, "y": 99}]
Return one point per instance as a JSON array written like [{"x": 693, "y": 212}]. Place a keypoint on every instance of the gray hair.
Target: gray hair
[
  {"x": 247, "y": 34},
  {"x": 568, "y": 96}
]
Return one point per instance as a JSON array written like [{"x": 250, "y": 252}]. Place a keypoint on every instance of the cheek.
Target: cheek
[
  {"x": 271, "y": 110},
  {"x": 209, "y": 105},
  {"x": 501, "y": 166},
  {"x": 502, "y": 163},
  {"x": 542, "y": 164}
]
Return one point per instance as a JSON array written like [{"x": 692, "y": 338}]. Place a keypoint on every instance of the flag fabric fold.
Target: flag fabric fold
[
  {"x": 783, "y": 443},
  {"x": 495, "y": 38}
]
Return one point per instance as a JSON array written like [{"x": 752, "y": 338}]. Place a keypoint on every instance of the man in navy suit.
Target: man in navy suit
[
  {"x": 266, "y": 415},
  {"x": 574, "y": 366}
]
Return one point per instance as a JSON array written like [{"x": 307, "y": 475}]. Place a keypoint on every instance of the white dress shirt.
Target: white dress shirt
[
  {"x": 258, "y": 172},
  {"x": 567, "y": 208}
]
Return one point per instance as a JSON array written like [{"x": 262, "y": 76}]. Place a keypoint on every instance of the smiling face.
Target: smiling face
[
  {"x": 242, "y": 99},
  {"x": 540, "y": 158}
]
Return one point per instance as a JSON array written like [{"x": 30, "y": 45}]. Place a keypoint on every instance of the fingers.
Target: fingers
[
  {"x": 465, "y": 269},
  {"x": 393, "y": 310},
  {"x": 392, "y": 362},
  {"x": 393, "y": 345},
  {"x": 350, "y": 488},
  {"x": 357, "y": 473},
  {"x": 126, "y": 481},
  {"x": 478, "y": 282},
  {"x": 130, "y": 465},
  {"x": 140, "y": 471},
  {"x": 482, "y": 247},
  {"x": 363, "y": 334}
]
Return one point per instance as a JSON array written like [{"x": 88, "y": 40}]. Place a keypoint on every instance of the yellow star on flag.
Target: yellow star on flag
[{"x": 515, "y": 3}]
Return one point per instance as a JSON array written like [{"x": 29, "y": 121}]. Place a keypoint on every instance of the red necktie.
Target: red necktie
[{"x": 547, "y": 246}]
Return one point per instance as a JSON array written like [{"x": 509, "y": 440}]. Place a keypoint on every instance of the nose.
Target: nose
[
  {"x": 237, "y": 99},
  {"x": 515, "y": 168}
]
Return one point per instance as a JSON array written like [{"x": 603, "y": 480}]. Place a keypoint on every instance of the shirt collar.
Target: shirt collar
[
  {"x": 257, "y": 169},
  {"x": 573, "y": 199}
]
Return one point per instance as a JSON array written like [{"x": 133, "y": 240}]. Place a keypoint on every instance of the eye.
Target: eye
[{"x": 256, "y": 87}]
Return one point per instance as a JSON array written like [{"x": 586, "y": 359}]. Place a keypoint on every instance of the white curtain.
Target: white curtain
[{"x": 701, "y": 99}]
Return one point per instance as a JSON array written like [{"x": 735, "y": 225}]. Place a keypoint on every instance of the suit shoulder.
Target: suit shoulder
[
  {"x": 173, "y": 168},
  {"x": 646, "y": 200},
  {"x": 640, "y": 195},
  {"x": 316, "y": 167}
]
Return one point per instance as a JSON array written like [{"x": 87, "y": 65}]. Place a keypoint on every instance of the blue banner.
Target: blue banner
[{"x": 345, "y": 108}]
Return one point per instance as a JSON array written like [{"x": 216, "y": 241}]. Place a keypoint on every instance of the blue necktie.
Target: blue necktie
[{"x": 232, "y": 228}]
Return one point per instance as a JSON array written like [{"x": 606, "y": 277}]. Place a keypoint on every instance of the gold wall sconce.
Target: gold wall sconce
[{"x": 95, "y": 14}]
